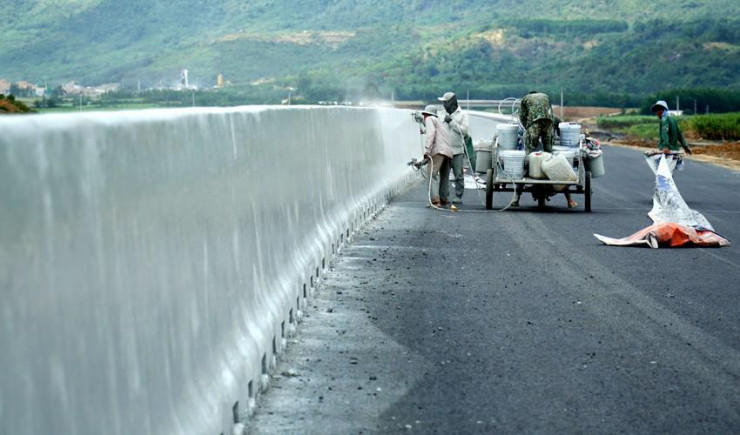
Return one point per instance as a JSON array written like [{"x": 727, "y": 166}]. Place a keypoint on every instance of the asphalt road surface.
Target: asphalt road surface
[{"x": 521, "y": 321}]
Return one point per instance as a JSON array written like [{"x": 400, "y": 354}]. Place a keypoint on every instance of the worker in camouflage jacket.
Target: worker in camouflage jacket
[{"x": 536, "y": 116}]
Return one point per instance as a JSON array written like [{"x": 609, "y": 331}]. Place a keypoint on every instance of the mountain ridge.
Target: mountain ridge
[{"x": 405, "y": 48}]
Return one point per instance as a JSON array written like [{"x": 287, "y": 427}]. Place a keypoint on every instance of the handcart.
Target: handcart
[{"x": 497, "y": 180}]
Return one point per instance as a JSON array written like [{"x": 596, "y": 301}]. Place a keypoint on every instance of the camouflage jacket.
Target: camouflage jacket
[{"x": 535, "y": 107}]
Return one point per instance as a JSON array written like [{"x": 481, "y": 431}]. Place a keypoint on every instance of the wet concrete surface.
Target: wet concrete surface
[{"x": 521, "y": 321}]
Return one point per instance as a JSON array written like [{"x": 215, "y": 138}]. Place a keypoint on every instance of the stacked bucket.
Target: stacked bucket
[{"x": 512, "y": 160}]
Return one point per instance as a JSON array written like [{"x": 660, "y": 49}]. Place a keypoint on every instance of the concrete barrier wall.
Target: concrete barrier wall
[{"x": 152, "y": 262}]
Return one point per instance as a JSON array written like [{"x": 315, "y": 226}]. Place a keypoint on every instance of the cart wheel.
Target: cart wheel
[
  {"x": 489, "y": 189},
  {"x": 541, "y": 202},
  {"x": 587, "y": 192}
]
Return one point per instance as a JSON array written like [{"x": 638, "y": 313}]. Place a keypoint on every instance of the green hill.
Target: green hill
[{"x": 324, "y": 49}]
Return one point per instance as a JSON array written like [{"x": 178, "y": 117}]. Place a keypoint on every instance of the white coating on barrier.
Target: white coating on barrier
[{"x": 149, "y": 259}]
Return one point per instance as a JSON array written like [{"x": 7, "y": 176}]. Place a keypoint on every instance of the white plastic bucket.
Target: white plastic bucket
[
  {"x": 507, "y": 136},
  {"x": 512, "y": 164},
  {"x": 570, "y": 134},
  {"x": 596, "y": 166}
]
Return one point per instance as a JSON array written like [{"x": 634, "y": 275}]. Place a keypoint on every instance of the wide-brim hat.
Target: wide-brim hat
[
  {"x": 430, "y": 110},
  {"x": 659, "y": 104},
  {"x": 447, "y": 96}
]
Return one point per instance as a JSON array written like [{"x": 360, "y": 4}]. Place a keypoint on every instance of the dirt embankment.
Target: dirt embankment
[
  {"x": 725, "y": 154},
  {"x": 8, "y": 107}
]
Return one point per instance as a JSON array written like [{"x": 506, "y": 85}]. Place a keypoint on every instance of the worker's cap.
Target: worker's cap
[
  {"x": 447, "y": 96},
  {"x": 430, "y": 110},
  {"x": 659, "y": 105}
]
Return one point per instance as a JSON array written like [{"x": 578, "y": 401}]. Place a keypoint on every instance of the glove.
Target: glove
[
  {"x": 687, "y": 149},
  {"x": 448, "y": 118}
]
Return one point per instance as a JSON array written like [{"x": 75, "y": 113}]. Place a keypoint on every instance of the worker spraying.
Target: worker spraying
[{"x": 438, "y": 153}]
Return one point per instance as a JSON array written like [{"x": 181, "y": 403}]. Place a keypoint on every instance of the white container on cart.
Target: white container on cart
[
  {"x": 570, "y": 134},
  {"x": 512, "y": 164},
  {"x": 507, "y": 136},
  {"x": 570, "y": 154},
  {"x": 558, "y": 168},
  {"x": 534, "y": 161}
]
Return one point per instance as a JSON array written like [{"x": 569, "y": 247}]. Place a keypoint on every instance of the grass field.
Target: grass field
[{"x": 705, "y": 141}]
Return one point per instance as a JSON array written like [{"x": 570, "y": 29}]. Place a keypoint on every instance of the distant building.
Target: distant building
[
  {"x": 73, "y": 88},
  {"x": 23, "y": 88}
]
